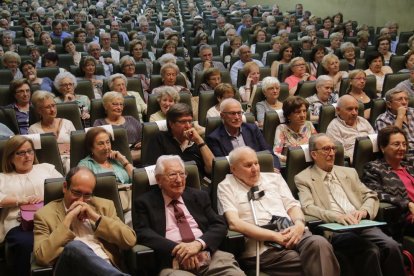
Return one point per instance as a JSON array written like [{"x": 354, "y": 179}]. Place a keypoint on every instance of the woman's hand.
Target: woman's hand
[
  {"x": 118, "y": 157},
  {"x": 33, "y": 199},
  {"x": 69, "y": 97},
  {"x": 306, "y": 76}
]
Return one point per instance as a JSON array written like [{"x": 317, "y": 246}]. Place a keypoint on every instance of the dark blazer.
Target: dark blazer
[
  {"x": 150, "y": 222},
  {"x": 219, "y": 141}
]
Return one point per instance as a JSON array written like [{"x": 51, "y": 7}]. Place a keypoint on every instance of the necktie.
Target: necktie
[
  {"x": 182, "y": 223},
  {"x": 338, "y": 194}
]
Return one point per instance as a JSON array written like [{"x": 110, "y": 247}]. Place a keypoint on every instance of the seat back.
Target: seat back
[
  {"x": 6, "y": 97},
  {"x": 206, "y": 101},
  {"x": 106, "y": 187},
  {"x": 153, "y": 105},
  {"x": 296, "y": 162},
  {"x": 98, "y": 110},
  {"x": 78, "y": 150},
  {"x": 370, "y": 86},
  {"x": 48, "y": 153},
  {"x": 391, "y": 81},
  {"x": 271, "y": 121},
  {"x": 306, "y": 89},
  {"x": 8, "y": 117},
  {"x": 397, "y": 63},
  {"x": 363, "y": 153},
  {"x": 326, "y": 115},
  {"x": 149, "y": 132},
  {"x": 378, "y": 107},
  {"x": 5, "y": 76},
  {"x": 241, "y": 77},
  {"x": 221, "y": 168},
  {"x": 85, "y": 87},
  {"x": 49, "y": 72},
  {"x": 69, "y": 111}
]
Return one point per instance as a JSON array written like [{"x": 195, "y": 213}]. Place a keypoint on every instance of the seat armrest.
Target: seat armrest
[
  {"x": 37, "y": 270},
  {"x": 140, "y": 259},
  {"x": 388, "y": 212},
  {"x": 233, "y": 243},
  {"x": 313, "y": 223}
]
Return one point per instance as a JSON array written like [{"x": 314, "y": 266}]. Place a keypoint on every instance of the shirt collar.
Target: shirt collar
[{"x": 167, "y": 199}]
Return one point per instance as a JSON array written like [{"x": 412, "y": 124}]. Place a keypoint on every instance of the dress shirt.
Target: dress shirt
[{"x": 236, "y": 141}]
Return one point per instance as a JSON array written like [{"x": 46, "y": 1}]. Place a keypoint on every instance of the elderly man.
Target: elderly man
[
  {"x": 123, "y": 35},
  {"x": 245, "y": 55},
  {"x": 94, "y": 49},
  {"x": 335, "y": 194},
  {"x": 230, "y": 34},
  {"x": 233, "y": 133},
  {"x": 398, "y": 113},
  {"x": 105, "y": 39},
  {"x": 247, "y": 22},
  {"x": 289, "y": 250},
  {"x": 348, "y": 125},
  {"x": 81, "y": 233},
  {"x": 182, "y": 139},
  {"x": 324, "y": 96},
  {"x": 220, "y": 22},
  {"x": 90, "y": 32},
  {"x": 57, "y": 31},
  {"x": 206, "y": 55},
  {"x": 180, "y": 225}
]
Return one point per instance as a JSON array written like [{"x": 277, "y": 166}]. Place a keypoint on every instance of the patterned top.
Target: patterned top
[
  {"x": 315, "y": 103},
  {"x": 131, "y": 125},
  {"x": 387, "y": 118},
  {"x": 286, "y": 137},
  {"x": 22, "y": 118}
]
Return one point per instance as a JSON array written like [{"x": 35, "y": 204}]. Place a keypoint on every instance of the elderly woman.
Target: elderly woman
[
  {"x": 211, "y": 78},
  {"x": 87, "y": 67},
  {"x": 271, "y": 91},
  {"x": 118, "y": 83},
  {"x": 296, "y": 131},
  {"x": 317, "y": 54},
  {"x": 383, "y": 46},
  {"x": 357, "y": 82},
  {"x": 28, "y": 68},
  {"x": 221, "y": 92},
  {"x": 392, "y": 176},
  {"x": 79, "y": 36},
  {"x": 348, "y": 53},
  {"x": 330, "y": 63},
  {"x": 136, "y": 50},
  {"x": 29, "y": 35},
  {"x": 11, "y": 61},
  {"x": 327, "y": 27},
  {"x": 37, "y": 27},
  {"x": 166, "y": 98},
  {"x": 70, "y": 48},
  {"x": 169, "y": 72},
  {"x": 252, "y": 72},
  {"x": 285, "y": 56},
  {"x": 259, "y": 36},
  {"x": 299, "y": 69},
  {"x": 45, "y": 107},
  {"x": 408, "y": 62},
  {"x": 335, "y": 42},
  {"x": 127, "y": 65},
  {"x": 7, "y": 42},
  {"x": 21, "y": 183},
  {"x": 324, "y": 96},
  {"x": 21, "y": 91},
  {"x": 275, "y": 44},
  {"x": 46, "y": 40},
  {"x": 65, "y": 84},
  {"x": 235, "y": 43},
  {"x": 375, "y": 63},
  {"x": 113, "y": 103}
]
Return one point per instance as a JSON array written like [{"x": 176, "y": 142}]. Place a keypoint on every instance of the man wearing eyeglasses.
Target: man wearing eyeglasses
[
  {"x": 335, "y": 194},
  {"x": 81, "y": 234},
  {"x": 182, "y": 139},
  {"x": 348, "y": 125},
  {"x": 179, "y": 224},
  {"x": 234, "y": 133}
]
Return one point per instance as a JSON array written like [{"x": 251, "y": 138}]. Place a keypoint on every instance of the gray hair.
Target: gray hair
[
  {"x": 113, "y": 77},
  {"x": 294, "y": 60},
  {"x": 227, "y": 102},
  {"x": 125, "y": 59},
  {"x": 168, "y": 91},
  {"x": 39, "y": 96},
  {"x": 335, "y": 35},
  {"x": 63, "y": 75},
  {"x": 327, "y": 58},
  {"x": 104, "y": 34},
  {"x": 167, "y": 58},
  {"x": 108, "y": 97},
  {"x": 390, "y": 93},
  {"x": 160, "y": 164},
  {"x": 269, "y": 81},
  {"x": 341, "y": 100},
  {"x": 346, "y": 46},
  {"x": 313, "y": 139},
  {"x": 310, "y": 28},
  {"x": 238, "y": 152},
  {"x": 169, "y": 65},
  {"x": 11, "y": 55},
  {"x": 322, "y": 79},
  {"x": 204, "y": 47},
  {"x": 92, "y": 43}
]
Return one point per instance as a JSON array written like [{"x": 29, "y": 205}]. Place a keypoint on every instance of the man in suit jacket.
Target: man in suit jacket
[
  {"x": 155, "y": 223},
  {"x": 83, "y": 231},
  {"x": 335, "y": 194},
  {"x": 234, "y": 133}
]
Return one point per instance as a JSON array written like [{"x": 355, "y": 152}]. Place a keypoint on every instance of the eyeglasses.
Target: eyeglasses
[
  {"x": 66, "y": 84},
  {"x": 297, "y": 65},
  {"x": 326, "y": 150},
  {"x": 20, "y": 92},
  {"x": 233, "y": 113},
  {"x": 129, "y": 65},
  {"x": 400, "y": 99},
  {"x": 398, "y": 145},
  {"x": 50, "y": 106},
  {"x": 78, "y": 194},
  {"x": 174, "y": 175},
  {"x": 360, "y": 78},
  {"x": 24, "y": 152},
  {"x": 117, "y": 104},
  {"x": 183, "y": 122}
]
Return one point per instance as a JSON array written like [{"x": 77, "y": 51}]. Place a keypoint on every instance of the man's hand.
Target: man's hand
[
  {"x": 346, "y": 219},
  {"x": 184, "y": 250},
  {"x": 191, "y": 263},
  {"x": 192, "y": 135},
  {"x": 401, "y": 112},
  {"x": 358, "y": 215},
  {"x": 80, "y": 210},
  {"x": 207, "y": 64},
  {"x": 293, "y": 234}
]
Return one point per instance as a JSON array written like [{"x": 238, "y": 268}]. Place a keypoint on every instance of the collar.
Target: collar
[
  {"x": 345, "y": 124},
  {"x": 323, "y": 173},
  {"x": 167, "y": 199},
  {"x": 228, "y": 133}
]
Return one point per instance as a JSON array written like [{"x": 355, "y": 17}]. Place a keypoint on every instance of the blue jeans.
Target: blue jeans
[{"x": 79, "y": 259}]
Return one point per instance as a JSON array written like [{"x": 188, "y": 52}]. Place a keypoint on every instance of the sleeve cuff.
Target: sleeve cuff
[{"x": 202, "y": 243}]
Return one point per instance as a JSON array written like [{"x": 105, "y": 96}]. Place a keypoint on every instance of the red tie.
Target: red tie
[{"x": 182, "y": 223}]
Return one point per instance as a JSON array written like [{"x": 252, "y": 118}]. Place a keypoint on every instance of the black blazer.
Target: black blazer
[{"x": 149, "y": 222}]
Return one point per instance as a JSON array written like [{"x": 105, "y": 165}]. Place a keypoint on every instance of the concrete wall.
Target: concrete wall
[{"x": 371, "y": 12}]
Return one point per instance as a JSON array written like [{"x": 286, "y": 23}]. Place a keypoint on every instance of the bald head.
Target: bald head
[{"x": 347, "y": 109}]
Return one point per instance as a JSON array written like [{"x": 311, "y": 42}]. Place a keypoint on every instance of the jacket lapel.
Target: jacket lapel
[{"x": 320, "y": 189}]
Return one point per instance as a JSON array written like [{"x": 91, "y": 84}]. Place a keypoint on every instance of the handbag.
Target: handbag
[
  {"x": 27, "y": 212},
  {"x": 125, "y": 195},
  {"x": 409, "y": 263}
]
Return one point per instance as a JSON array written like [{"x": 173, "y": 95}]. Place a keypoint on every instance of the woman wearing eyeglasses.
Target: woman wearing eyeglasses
[
  {"x": 300, "y": 72},
  {"x": 357, "y": 82},
  {"x": 45, "y": 107},
  {"x": 392, "y": 177},
  {"x": 22, "y": 182},
  {"x": 297, "y": 130}
]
